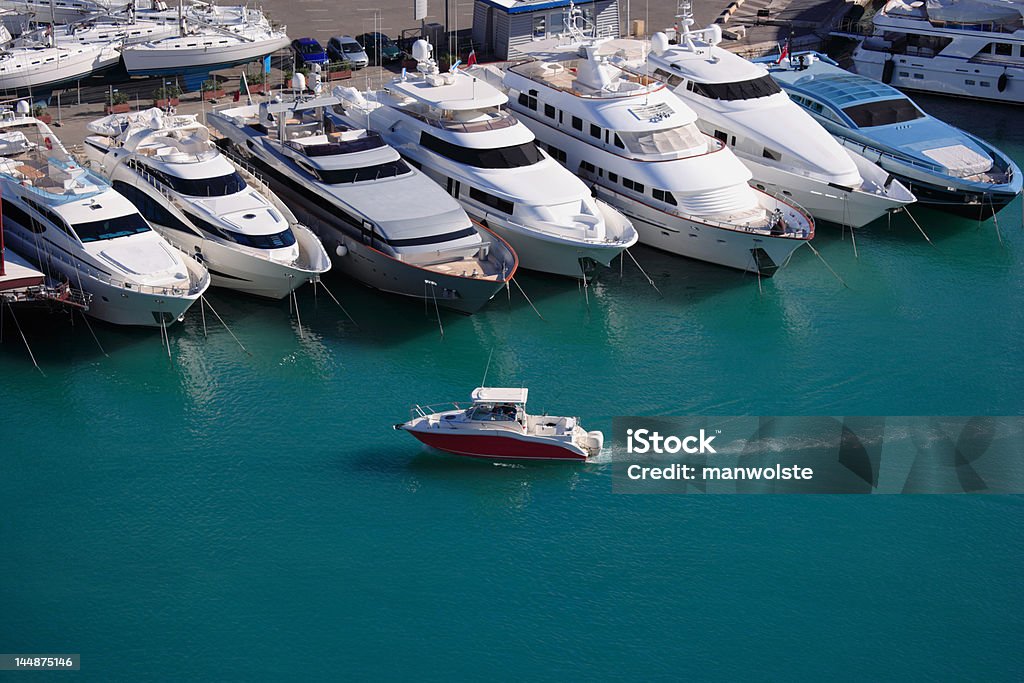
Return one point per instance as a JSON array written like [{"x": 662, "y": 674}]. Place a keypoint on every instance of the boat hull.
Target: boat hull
[
  {"x": 943, "y": 75},
  {"x": 379, "y": 270},
  {"x": 824, "y": 201},
  {"x": 116, "y": 304},
  {"x": 146, "y": 60},
  {"x": 497, "y": 446}
]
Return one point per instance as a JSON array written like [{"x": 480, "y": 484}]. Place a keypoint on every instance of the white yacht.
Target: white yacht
[
  {"x": 203, "y": 204},
  {"x": 787, "y": 151},
  {"x": 57, "y": 11},
  {"x": 205, "y": 40},
  {"x": 967, "y": 48},
  {"x": 456, "y": 129},
  {"x": 639, "y": 147},
  {"x": 101, "y": 30},
  {"x": 72, "y": 225},
  {"x": 384, "y": 223},
  {"x": 45, "y": 65}
]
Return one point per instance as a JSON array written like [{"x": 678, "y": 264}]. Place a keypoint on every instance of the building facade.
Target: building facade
[{"x": 501, "y": 26}]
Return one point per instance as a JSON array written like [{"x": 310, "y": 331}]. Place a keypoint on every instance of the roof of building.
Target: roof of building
[{"x": 521, "y": 6}]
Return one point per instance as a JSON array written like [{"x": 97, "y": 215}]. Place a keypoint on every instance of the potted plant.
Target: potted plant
[
  {"x": 39, "y": 112},
  {"x": 257, "y": 81},
  {"x": 211, "y": 89},
  {"x": 117, "y": 103},
  {"x": 337, "y": 70},
  {"x": 166, "y": 96}
]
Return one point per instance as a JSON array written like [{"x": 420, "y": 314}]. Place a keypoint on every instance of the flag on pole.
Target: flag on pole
[
  {"x": 471, "y": 59},
  {"x": 783, "y": 53}
]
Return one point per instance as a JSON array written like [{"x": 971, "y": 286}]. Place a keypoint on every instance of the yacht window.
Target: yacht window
[
  {"x": 595, "y": 131},
  {"x": 513, "y": 156},
  {"x": 671, "y": 79},
  {"x": 528, "y": 101},
  {"x": 577, "y": 123},
  {"x": 436, "y": 239},
  {"x": 677, "y": 139},
  {"x": 1002, "y": 49},
  {"x": 664, "y": 196},
  {"x": 220, "y": 186},
  {"x": 771, "y": 154},
  {"x": 588, "y": 167},
  {"x": 618, "y": 142},
  {"x": 556, "y": 153},
  {"x": 278, "y": 240},
  {"x": 111, "y": 228},
  {"x": 632, "y": 185},
  {"x": 490, "y": 200},
  {"x": 339, "y": 176},
  {"x": 21, "y": 217},
  {"x": 152, "y": 210},
  {"x": 883, "y": 113},
  {"x": 722, "y": 135},
  {"x": 614, "y": 177},
  {"x": 549, "y": 111},
  {"x": 762, "y": 86}
]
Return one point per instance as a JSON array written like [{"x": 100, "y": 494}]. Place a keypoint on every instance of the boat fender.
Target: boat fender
[
  {"x": 887, "y": 70},
  {"x": 1001, "y": 83},
  {"x": 341, "y": 250},
  {"x": 48, "y": 142}
]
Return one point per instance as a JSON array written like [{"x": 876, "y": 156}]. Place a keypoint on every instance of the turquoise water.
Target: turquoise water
[{"x": 227, "y": 516}]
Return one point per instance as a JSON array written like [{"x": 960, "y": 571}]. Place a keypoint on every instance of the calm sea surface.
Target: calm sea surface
[{"x": 227, "y": 516}]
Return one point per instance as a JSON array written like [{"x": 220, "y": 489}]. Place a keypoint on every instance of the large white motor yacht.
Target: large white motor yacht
[
  {"x": 203, "y": 204},
  {"x": 787, "y": 151},
  {"x": 456, "y": 129},
  {"x": 639, "y": 148},
  {"x": 73, "y": 226},
  {"x": 967, "y": 48},
  {"x": 384, "y": 223}
]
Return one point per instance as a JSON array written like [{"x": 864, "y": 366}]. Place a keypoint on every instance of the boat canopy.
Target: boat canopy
[
  {"x": 499, "y": 395},
  {"x": 975, "y": 11}
]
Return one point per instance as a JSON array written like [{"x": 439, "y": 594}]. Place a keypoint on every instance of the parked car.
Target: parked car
[
  {"x": 308, "y": 51},
  {"x": 378, "y": 43},
  {"x": 347, "y": 49}
]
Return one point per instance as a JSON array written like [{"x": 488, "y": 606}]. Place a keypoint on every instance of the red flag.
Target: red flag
[
  {"x": 783, "y": 53},
  {"x": 471, "y": 59}
]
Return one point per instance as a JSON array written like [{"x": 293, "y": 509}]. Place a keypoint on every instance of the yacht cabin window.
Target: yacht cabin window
[
  {"x": 577, "y": 123},
  {"x": 110, "y": 228},
  {"x": 633, "y": 185},
  {"x": 528, "y": 101},
  {"x": 512, "y": 156},
  {"x": 21, "y": 217},
  {"x": 340, "y": 176},
  {"x": 763, "y": 86},
  {"x": 883, "y": 113},
  {"x": 595, "y": 131},
  {"x": 664, "y": 196},
  {"x": 492, "y": 201},
  {"x": 549, "y": 111}
]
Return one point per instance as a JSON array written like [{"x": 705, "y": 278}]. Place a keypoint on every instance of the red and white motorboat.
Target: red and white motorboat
[{"x": 497, "y": 426}]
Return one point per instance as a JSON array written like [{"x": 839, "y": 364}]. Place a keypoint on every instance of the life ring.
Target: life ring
[
  {"x": 1001, "y": 83},
  {"x": 48, "y": 142}
]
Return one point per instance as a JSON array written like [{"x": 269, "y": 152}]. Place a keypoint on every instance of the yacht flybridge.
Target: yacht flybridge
[
  {"x": 203, "y": 204},
  {"x": 967, "y": 48},
  {"x": 384, "y": 223},
  {"x": 943, "y": 166},
  {"x": 787, "y": 151},
  {"x": 496, "y": 426},
  {"x": 72, "y": 225},
  {"x": 639, "y": 148},
  {"x": 455, "y": 128}
]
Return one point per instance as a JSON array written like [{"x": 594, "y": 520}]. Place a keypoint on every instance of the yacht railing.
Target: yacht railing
[
  {"x": 504, "y": 120},
  {"x": 865, "y": 149},
  {"x": 427, "y": 410}
]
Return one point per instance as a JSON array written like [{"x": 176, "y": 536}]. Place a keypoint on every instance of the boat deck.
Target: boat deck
[{"x": 469, "y": 266}]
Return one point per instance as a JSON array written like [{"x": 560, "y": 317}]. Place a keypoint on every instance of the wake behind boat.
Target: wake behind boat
[
  {"x": 203, "y": 204},
  {"x": 383, "y": 222},
  {"x": 496, "y": 426}
]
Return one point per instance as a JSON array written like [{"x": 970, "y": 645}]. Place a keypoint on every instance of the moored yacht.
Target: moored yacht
[
  {"x": 496, "y": 426},
  {"x": 203, "y": 204},
  {"x": 383, "y": 222},
  {"x": 786, "y": 150},
  {"x": 943, "y": 166},
  {"x": 967, "y": 48},
  {"x": 456, "y": 129},
  {"x": 72, "y": 225},
  {"x": 639, "y": 148}
]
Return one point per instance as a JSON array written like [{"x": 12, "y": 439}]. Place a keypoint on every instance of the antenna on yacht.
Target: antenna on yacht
[
  {"x": 483, "y": 382},
  {"x": 685, "y": 16}
]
